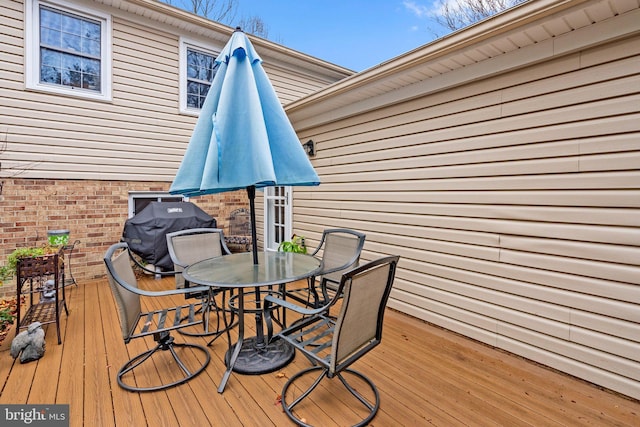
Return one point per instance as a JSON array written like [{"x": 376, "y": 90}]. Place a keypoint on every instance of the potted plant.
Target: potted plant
[
  {"x": 7, "y": 271},
  {"x": 296, "y": 244}
]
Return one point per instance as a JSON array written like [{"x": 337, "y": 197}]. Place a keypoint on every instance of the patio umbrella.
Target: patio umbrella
[{"x": 243, "y": 138}]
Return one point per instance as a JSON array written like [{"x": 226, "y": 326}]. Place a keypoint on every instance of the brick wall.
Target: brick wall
[{"x": 93, "y": 211}]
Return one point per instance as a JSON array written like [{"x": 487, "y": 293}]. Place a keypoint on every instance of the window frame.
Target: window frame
[
  {"x": 154, "y": 196},
  {"x": 185, "y": 45},
  {"x": 32, "y": 49}
]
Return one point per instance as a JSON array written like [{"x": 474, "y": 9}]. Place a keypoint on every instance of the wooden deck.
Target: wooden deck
[{"x": 426, "y": 376}]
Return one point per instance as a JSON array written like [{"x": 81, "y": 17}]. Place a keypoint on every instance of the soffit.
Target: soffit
[{"x": 533, "y": 23}]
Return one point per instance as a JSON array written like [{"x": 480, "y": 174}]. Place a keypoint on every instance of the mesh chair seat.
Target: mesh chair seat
[
  {"x": 154, "y": 369},
  {"x": 334, "y": 344}
]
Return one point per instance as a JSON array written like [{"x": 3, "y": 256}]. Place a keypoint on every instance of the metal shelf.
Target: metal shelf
[{"x": 32, "y": 276}]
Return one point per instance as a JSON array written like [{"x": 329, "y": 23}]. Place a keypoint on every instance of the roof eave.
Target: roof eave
[
  {"x": 189, "y": 22},
  {"x": 474, "y": 35}
]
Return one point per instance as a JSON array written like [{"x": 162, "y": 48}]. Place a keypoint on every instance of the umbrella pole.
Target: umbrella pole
[{"x": 251, "y": 192}]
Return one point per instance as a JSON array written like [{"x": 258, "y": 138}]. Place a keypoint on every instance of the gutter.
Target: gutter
[
  {"x": 187, "y": 21},
  {"x": 490, "y": 28}
]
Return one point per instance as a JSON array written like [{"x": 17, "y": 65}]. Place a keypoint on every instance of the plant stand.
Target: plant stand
[
  {"x": 67, "y": 251},
  {"x": 45, "y": 303}
]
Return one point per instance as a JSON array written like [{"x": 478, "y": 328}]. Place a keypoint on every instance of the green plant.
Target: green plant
[
  {"x": 8, "y": 309},
  {"x": 7, "y": 315},
  {"x": 7, "y": 271},
  {"x": 296, "y": 245}
]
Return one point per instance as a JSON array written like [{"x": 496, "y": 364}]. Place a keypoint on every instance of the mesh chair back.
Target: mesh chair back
[
  {"x": 339, "y": 248},
  {"x": 119, "y": 270},
  {"x": 190, "y": 246},
  {"x": 156, "y": 323},
  {"x": 359, "y": 325}
]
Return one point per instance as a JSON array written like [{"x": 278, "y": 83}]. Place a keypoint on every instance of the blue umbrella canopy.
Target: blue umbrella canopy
[{"x": 243, "y": 137}]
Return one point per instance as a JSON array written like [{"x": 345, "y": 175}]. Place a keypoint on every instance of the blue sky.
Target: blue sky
[{"x": 356, "y": 34}]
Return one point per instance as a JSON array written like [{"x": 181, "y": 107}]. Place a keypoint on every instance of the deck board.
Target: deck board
[{"x": 426, "y": 376}]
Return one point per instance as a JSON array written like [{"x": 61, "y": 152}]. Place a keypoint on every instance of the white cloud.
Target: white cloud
[
  {"x": 453, "y": 5},
  {"x": 419, "y": 10}
]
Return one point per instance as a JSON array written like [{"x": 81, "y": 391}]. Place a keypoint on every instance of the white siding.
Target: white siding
[{"x": 513, "y": 200}]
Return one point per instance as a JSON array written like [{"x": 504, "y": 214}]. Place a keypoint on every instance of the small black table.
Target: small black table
[{"x": 237, "y": 271}]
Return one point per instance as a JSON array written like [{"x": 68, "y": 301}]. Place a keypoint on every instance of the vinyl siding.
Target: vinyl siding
[
  {"x": 11, "y": 16},
  {"x": 513, "y": 200},
  {"x": 139, "y": 135},
  {"x": 70, "y": 162},
  {"x": 291, "y": 84}
]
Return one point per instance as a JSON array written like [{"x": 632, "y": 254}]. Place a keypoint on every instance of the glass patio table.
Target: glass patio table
[{"x": 237, "y": 271}]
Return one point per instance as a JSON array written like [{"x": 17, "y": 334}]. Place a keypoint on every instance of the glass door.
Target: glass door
[{"x": 277, "y": 209}]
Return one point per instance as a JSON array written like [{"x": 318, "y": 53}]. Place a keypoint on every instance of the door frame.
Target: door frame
[{"x": 280, "y": 198}]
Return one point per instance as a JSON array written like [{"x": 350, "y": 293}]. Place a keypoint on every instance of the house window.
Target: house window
[
  {"x": 68, "y": 50},
  {"x": 197, "y": 69},
  {"x": 201, "y": 68},
  {"x": 139, "y": 200}
]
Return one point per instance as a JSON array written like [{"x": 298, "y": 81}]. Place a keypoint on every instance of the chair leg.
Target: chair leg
[
  {"x": 288, "y": 407},
  {"x": 208, "y": 307},
  {"x": 371, "y": 407},
  {"x": 165, "y": 343},
  {"x": 228, "y": 324}
]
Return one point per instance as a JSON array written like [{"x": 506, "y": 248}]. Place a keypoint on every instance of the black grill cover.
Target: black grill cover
[{"x": 146, "y": 232}]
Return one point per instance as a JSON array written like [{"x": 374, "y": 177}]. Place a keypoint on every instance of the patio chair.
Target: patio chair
[
  {"x": 152, "y": 370},
  {"x": 341, "y": 248},
  {"x": 192, "y": 245},
  {"x": 333, "y": 344}
]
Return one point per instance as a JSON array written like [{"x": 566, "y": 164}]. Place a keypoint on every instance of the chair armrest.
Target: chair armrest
[
  {"x": 146, "y": 293},
  {"x": 168, "y": 292},
  {"x": 271, "y": 300},
  {"x": 270, "y": 303}
]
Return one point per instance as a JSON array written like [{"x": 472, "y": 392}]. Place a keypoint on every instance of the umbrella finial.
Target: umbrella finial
[{"x": 238, "y": 28}]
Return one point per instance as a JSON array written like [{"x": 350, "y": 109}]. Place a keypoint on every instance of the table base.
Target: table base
[{"x": 256, "y": 361}]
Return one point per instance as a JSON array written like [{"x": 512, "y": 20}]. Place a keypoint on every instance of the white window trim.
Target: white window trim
[
  {"x": 32, "y": 49},
  {"x": 186, "y": 43},
  {"x": 157, "y": 196}
]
